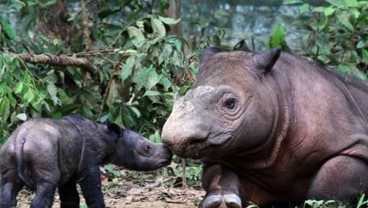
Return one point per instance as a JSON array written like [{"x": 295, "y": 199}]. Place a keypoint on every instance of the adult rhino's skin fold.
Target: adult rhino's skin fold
[{"x": 272, "y": 127}]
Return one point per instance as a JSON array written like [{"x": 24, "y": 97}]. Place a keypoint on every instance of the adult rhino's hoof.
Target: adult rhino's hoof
[
  {"x": 213, "y": 201},
  {"x": 232, "y": 201},
  {"x": 222, "y": 201}
]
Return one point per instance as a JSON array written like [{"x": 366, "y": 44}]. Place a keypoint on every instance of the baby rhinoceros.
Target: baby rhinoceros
[{"x": 45, "y": 154}]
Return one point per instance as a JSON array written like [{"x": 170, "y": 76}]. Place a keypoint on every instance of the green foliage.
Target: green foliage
[
  {"x": 137, "y": 71},
  {"x": 322, "y": 203},
  {"x": 363, "y": 202},
  {"x": 337, "y": 34},
  {"x": 277, "y": 38},
  {"x": 22, "y": 93}
]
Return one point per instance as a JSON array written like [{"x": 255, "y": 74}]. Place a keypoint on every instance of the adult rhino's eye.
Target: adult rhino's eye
[{"x": 230, "y": 103}]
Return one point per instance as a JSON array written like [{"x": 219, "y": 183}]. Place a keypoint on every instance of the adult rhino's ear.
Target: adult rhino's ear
[
  {"x": 266, "y": 60},
  {"x": 208, "y": 52}
]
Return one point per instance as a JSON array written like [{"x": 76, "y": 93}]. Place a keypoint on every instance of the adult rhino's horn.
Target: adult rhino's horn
[
  {"x": 266, "y": 60},
  {"x": 208, "y": 52}
]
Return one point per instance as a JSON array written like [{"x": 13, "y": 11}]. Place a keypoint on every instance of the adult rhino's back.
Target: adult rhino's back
[{"x": 271, "y": 126}]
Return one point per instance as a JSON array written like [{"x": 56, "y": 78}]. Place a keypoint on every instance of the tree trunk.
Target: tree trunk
[
  {"x": 174, "y": 12},
  {"x": 53, "y": 21}
]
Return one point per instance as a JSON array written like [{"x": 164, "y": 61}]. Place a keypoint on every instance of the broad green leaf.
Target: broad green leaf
[
  {"x": 8, "y": 30},
  {"x": 26, "y": 79},
  {"x": 153, "y": 78},
  {"x": 22, "y": 116},
  {"x": 135, "y": 110},
  {"x": 2, "y": 86},
  {"x": 140, "y": 77},
  {"x": 127, "y": 68},
  {"x": 361, "y": 44},
  {"x": 356, "y": 13},
  {"x": 136, "y": 34},
  {"x": 47, "y": 4},
  {"x": 158, "y": 26},
  {"x": 365, "y": 54},
  {"x": 18, "y": 87},
  {"x": 4, "y": 108},
  {"x": 304, "y": 8},
  {"x": 178, "y": 44},
  {"x": 10, "y": 96},
  {"x": 345, "y": 21},
  {"x": 277, "y": 36},
  {"x": 151, "y": 93},
  {"x": 7, "y": 58},
  {"x": 165, "y": 54},
  {"x": 363, "y": 3},
  {"x": 38, "y": 103},
  {"x": 343, "y": 3},
  {"x": 166, "y": 82},
  {"x": 2, "y": 70},
  {"x": 329, "y": 11},
  {"x": 17, "y": 4},
  {"x": 52, "y": 90},
  {"x": 28, "y": 97},
  {"x": 358, "y": 73},
  {"x": 169, "y": 21},
  {"x": 113, "y": 94},
  {"x": 319, "y": 9},
  {"x": 286, "y": 2}
]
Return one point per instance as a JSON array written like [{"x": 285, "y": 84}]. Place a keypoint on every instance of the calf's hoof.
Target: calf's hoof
[{"x": 222, "y": 201}]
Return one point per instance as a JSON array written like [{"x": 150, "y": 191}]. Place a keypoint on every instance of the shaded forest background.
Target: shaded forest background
[{"x": 122, "y": 60}]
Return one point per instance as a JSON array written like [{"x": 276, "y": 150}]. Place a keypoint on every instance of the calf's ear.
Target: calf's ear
[
  {"x": 114, "y": 128},
  {"x": 266, "y": 60}
]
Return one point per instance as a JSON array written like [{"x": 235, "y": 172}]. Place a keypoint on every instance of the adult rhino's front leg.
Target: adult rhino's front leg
[{"x": 222, "y": 187}]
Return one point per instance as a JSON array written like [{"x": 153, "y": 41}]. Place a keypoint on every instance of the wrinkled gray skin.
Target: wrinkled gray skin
[
  {"x": 272, "y": 127},
  {"x": 46, "y": 154}
]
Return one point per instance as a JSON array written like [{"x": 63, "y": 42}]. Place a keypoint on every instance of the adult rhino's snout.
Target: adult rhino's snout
[{"x": 185, "y": 129}]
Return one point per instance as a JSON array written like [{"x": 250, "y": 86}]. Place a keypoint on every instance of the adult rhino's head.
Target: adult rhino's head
[{"x": 229, "y": 108}]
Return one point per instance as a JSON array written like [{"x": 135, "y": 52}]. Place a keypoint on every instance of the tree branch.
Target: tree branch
[{"x": 61, "y": 60}]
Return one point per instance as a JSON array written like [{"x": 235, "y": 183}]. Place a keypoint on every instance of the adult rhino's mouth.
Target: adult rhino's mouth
[
  {"x": 189, "y": 149},
  {"x": 200, "y": 148}
]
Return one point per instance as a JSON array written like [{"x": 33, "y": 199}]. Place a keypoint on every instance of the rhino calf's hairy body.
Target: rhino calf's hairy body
[
  {"x": 45, "y": 154},
  {"x": 271, "y": 127}
]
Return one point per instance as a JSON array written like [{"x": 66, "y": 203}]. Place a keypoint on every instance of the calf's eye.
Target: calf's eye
[
  {"x": 230, "y": 103},
  {"x": 147, "y": 149}
]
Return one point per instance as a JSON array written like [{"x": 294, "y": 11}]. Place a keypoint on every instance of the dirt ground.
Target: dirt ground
[
  {"x": 138, "y": 197},
  {"x": 135, "y": 190}
]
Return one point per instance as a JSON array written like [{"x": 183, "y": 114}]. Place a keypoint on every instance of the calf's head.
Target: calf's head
[
  {"x": 135, "y": 152},
  {"x": 229, "y": 107}
]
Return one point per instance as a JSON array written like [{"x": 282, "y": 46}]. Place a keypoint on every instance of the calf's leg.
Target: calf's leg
[
  {"x": 44, "y": 197},
  {"x": 69, "y": 197},
  {"x": 342, "y": 177},
  {"x": 10, "y": 185},
  {"x": 222, "y": 187},
  {"x": 91, "y": 188}
]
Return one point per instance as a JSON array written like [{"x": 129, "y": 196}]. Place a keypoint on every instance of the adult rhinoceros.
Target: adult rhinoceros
[{"x": 271, "y": 126}]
